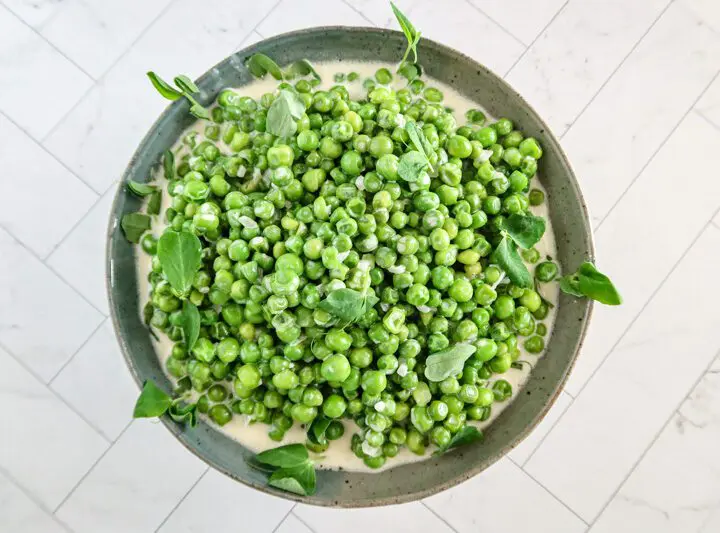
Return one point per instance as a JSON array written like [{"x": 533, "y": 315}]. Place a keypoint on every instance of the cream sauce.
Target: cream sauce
[{"x": 339, "y": 455}]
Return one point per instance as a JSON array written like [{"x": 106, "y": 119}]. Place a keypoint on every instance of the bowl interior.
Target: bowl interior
[{"x": 569, "y": 219}]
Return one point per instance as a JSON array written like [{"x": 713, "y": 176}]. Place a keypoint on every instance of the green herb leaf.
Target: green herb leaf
[
  {"x": 410, "y": 71},
  {"x": 570, "y": 285},
  {"x": 186, "y": 85},
  {"x": 190, "y": 324},
  {"x": 180, "y": 255},
  {"x": 134, "y": 225},
  {"x": 597, "y": 286},
  {"x": 411, "y": 34},
  {"x": 169, "y": 165},
  {"x": 449, "y": 362},
  {"x": 298, "y": 480},
  {"x": 200, "y": 112},
  {"x": 466, "y": 435},
  {"x": 152, "y": 402},
  {"x": 154, "y": 203},
  {"x": 417, "y": 137},
  {"x": 284, "y": 113},
  {"x": 184, "y": 413},
  {"x": 163, "y": 87},
  {"x": 526, "y": 230},
  {"x": 301, "y": 68},
  {"x": 260, "y": 64},
  {"x": 412, "y": 165},
  {"x": 140, "y": 189},
  {"x": 286, "y": 456},
  {"x": 348, "y": 304},
  {"x": 507, "y": 256},
  {"x": 316, "y": 433}
]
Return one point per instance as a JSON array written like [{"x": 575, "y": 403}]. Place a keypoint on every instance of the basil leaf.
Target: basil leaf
[
  {"x": 199, "y": 111},
  {"x": 301, "y": 68},
  {"x": 140, "y": 189},
  {"x": 169, "y": 165},
  {"x": 348, "y": 304},
  {"x": 316, "y": 434},
  {"x": 507, "y": 256},
  {"x": 260, "y": 64},
  {"x": 284, "y": 113},
  {"x": 153, "y": 207},
  {"x": 185, "y": 84},
  {"x": 134, "y": 225},
  {"x": 152, "y": 402},
  {"x": 298, "y": 480},
  {"x": 411, "y": 165},
  {"x": 526, "y": 230},
  {"x": 190, "y": 324},
  {"x": 570, "y": 285},
  {"x": 180, "y": 255},
  {"x": 418, "y": 139},
  {"x": 253, "y": 463},
  {"x": 163, "y": 87},
  {"x": 597, "y": 286},
  {"x": 286, "y": 456},
  {"x": 449, "y": 362},
  {"x": 411, "y": 34},
  {"x": 466, "y": 435},
  {"x": 184, "y": 414}
]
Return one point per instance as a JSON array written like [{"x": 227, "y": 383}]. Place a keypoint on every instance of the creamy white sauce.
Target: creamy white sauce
[{"x": 339, "y": 455}]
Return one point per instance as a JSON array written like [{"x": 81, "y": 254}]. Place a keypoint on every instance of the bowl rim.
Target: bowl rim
[{"x": 113, "y": 223}]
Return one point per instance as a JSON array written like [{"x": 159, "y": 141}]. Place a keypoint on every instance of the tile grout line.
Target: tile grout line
[
  {"x": 285, "y": 518},
  {"x": 69, "y": 360},
  {"x": 54, "y": 393},
  {"x": 617, "y": 68},
  {"x": 542, "y": 439},
  {"x": 182, "y": 499},
  {"x": 654, "y": 439},
  {"x": 657, "y": 151},
  {"x": 50, "y": 43},
  {"x": 532, "y": 43},
  {"x": 442, "y": 519},
  {"x": 299, "y": 519},
  {"x": 503, "y": 28},
  {"x": 552, "y": 494},
  {"x": 92, "y": 467},
  {"x": 356, "y": 10},
  {"x": 706, "y": 119},
  {"x": 624, "y": 332},
  {"x": 263, "y": 19}
]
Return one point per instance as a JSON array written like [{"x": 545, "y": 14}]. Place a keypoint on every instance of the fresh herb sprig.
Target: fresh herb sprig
[
  {"x": 408, "y": 69},
  {"x": 290, "y": 468},
  {"x": 153, "y": 402},
  {"x": 443, "y": 364},
  {"x": 589, "y": 282},
  {"x": 184, "y": 86}
]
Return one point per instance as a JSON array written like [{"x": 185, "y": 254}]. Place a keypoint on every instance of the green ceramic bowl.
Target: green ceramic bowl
[{"x": 569, "y": 219}]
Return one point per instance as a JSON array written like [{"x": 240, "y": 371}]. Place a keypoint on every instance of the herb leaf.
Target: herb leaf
[
  {"x": 169, "y": 165},
  {"x": 348, "y": 304},
  {"x": 417, "y": 137},
  {"x": 446, "y": 363},
  {"x": 185, "y": 84},
  {"x": 134, "y": 225},
  {"x": 411, "y": 166},
  {"x": 298, "y": 480},
  {"x": 286, "y": 456},
  {"x": 184, "y": 413},
  {"x": 200, "y": 112},
  {"x": 410, "y": 71},
  {"x": 152, "y": 402},
  {"x": 164, "y": 88},
  {"x": 526, "y": 230},
  {"x": 466, "y": 435},
  {"x": 411, "y": 34},
  {"x": 507, "y": 256},
  {"x": 588, "y": 281},
  {"x": 317, "y": 430},
  {"x": 140, "y": 189},
  {"x": 284, "y": 113},
  {"x": 190, "y": 324},
  {"x": 153, "y": 206},
  {"x": 301, "y": 68},
  {"x": 260, "y": 64},
  {"x": 180, "y": 255}
]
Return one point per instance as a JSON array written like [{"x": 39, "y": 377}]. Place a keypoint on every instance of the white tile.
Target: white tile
[
  {"x": 98, "y": 384},
  {"x": 380, "y": 13},
  {"x": 607, "y": 428},
  {"x": 607, "y": 150},
  {"x": 639, "y": 237},
  {"x": 709, "y": 104},
  {"x": 716, "y": 220},
  {"x": 708, "y": 10},
  {"x": 252, "y": 38},
  {"x": 135, "y": 485},
  {"x": 405, "y": 518},
  {"x": 293, "y": 525},
  {"x": 503, "y": 499},
  {"x": 292, "y": 15},
  {"x": 523, "y": 18},
  {"x": 18, "y": 513},
  {"x": 34, "y": 12},
  {"x": 573, "y": 57},
  {"x": 526, "y": 448},
  {"x": 49, "y": 447},
  {"x": 713, "y": 523},
  {"x": 59, "y": 199},
  {"x": 42, "y": 320},
  {"x": 95, "y": 34},
  {"x": 675, "y": 486},
  {"x": 99, "y": 134},
  {"x": 255, "y": 510},
  {"x": 37, "y": 84},
  {"x": 80, "y": 258}
]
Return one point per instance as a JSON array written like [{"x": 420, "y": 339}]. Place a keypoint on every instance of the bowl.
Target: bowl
[{"x": 569, "y": 217}]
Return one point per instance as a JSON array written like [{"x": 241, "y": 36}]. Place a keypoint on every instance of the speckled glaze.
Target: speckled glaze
[{"x": 569, "y": 218}]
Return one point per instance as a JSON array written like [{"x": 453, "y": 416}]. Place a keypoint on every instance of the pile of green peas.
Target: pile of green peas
[{"x": 286, "y": 221}]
